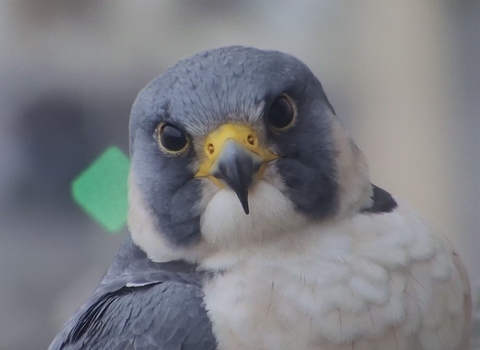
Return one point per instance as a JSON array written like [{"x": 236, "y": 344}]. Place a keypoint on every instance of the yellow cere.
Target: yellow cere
[{"x": 244, "y": 135}]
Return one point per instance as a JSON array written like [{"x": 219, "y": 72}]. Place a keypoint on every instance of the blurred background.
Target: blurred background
[{"x": 403, "y": 77}]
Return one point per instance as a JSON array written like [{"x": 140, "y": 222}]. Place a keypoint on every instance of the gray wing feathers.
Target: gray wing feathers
[
  {"x": 467, "y": 302},
  {"x": 166, "y": 312}
]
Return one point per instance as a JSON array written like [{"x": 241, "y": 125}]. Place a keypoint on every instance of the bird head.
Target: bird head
[{"x": 234, "y": 147}]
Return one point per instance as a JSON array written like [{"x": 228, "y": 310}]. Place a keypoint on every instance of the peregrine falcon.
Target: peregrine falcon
[{"x": 254, "y": 225}]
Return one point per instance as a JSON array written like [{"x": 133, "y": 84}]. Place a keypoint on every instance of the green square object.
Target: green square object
[{"x": 102, "y": 189}]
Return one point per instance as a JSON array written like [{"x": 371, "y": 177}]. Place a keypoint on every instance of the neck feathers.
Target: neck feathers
[{"x": 355, "y": 189}]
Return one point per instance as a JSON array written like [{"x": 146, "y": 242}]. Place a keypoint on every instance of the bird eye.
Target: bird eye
[
  {"x": 281, "y": 115},
  {"x": 171, "y": 138}
]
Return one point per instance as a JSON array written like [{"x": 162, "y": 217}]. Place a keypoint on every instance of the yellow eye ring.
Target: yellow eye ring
[{"x": 171, "y": 139}]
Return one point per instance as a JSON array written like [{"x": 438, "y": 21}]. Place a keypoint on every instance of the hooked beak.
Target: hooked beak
[{"x": 235, "y": 160}]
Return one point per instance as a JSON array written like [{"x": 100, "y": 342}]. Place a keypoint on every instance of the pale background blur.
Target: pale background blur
[{"x": 403, "y": 76}]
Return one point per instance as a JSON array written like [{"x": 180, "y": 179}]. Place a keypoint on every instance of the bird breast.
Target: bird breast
[{"x": 373, "y": 281}]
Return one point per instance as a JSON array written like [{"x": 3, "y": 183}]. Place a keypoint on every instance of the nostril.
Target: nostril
[
  {"x": 251, "y": 140},
  {"x": 211, "y": 149}
]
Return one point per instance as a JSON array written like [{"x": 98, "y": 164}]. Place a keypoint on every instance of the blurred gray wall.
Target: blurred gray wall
[{"x": 403, "y": 77}]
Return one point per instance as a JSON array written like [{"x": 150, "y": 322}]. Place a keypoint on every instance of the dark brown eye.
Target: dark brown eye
[
  {"x": 281, "y": 115},
  {"x": 171, "y": 138}
]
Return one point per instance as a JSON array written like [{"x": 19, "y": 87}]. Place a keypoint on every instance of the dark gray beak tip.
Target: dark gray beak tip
[
  {"x": 237, "y": 167},
  {"x": 244, "y": 202}
]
